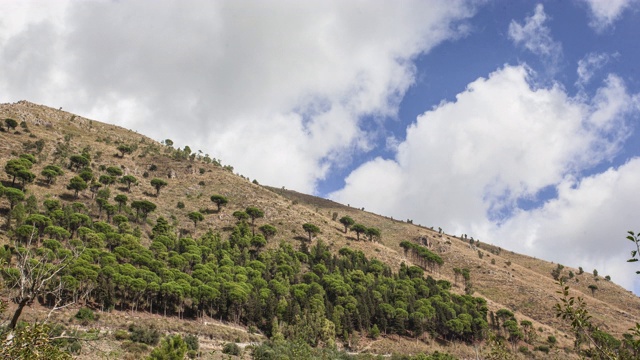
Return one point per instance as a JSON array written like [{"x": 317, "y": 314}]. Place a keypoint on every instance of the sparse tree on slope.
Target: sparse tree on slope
[
  {"x": 268, "y": 230},
  {"x": 358, "y": 229},
  {"x": 311, "y": 230},
  {"x": 373, "y": 233},
  {"x": 158, "y": 184},
  {"x": 219, "y": 200},
  {"x": 77, "y": 184},
  {"x": 254, "y": 213},
  {"x": 347, "y": 221},
  {"x": 196, "y": 217}
]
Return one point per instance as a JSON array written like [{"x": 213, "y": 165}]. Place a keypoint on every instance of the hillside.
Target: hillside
[{"x": 516, "y": 282}]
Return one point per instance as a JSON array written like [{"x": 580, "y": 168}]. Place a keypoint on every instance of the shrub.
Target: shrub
[
  {"x": 153, "y": 167},
  {"x": 75, "y": 347},
  {"x": 552, "y": 340},
  {"x": 121, "y": 335},
  {"x": 202, "y": 170},
  {"x": 374, "y": 333},
  {"x": 543, "y": 348},
  {"x": 523, "y": 349},
  {"x": 85, "y": 315},
  {"x": 145, "y": 174},
  {"x": 149, "y": 336},
  {"x": 180, "y": 205},
  {"x": 231, "y": 349},
  {"x": 134, "y": 348},
  {"x": 192, "y": 342}
]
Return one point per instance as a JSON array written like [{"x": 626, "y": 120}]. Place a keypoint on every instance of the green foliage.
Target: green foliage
[
  {"x": 13, "y": 195},
  {"x": 171, "y": 348},
  {"x": 422, "y": 255},
  {"x": 129, "y": 180},
  {"x": 31, "y": 341},
  {"x": 268, "y": 230},
  {"x": 358, "y": 229},
  {"x": 158, "y": 184},
  {"x": 254, "y": 213},
  {"x": 219, "y": 200},
  {"x": 51, "y": 172},
  {"x": 311, "y": 230},
  {"x": 347, "y": 222},
  {"x": 374, "y": 333},
  {"x": 16, "y": 166},
  {"x": 78, "y": 162},
  {"x": 373, "y": 233},
  {"x": 231, "y": 349},
  {"x": 121, "y": 199},
  {"x": 149, "y": 336},
  {"x": 240, "y": 215},
  {"x": 85, "y": 315},
  {"x": 143, "y": 207},
  {"x": 77, "y": 184},
  {"x": 196, "y": 217},
  {"x": 555, "y": 273},
  {"x": 11, "y": 124},
  {"x": 192, "y": 342},
  {"x": 114, "y": 171},
  {"x": 125, "y": 149}
]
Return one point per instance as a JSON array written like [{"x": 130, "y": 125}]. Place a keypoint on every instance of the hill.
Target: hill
[{"x": 214, "y": 279}]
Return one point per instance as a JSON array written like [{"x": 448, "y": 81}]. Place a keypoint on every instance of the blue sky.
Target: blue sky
[{"x": 512, "y": 121}]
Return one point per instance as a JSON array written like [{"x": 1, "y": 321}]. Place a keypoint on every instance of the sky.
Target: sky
[{"x": 515, "y": 122}]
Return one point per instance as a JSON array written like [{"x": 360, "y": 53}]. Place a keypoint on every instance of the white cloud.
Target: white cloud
[
  {"x": 464, "y": 165},
  {"x": 536, "y": 37},
  {"x": 585, "y": 225},
  {"x": 605, "y": 12},
  {"x": 284, "y": 82},
  {"x": 588, "y": 65}
]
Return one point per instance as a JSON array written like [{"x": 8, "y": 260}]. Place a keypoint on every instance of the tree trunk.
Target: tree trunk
[{"x": 16, "y": 314}]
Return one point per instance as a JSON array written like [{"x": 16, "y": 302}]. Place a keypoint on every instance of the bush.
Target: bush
[
  {"x": 148, "y": 336},
  {"x": 134, "y": 348},
  {"x": 231, "y": 349},
  {"x": 543, "y": 348},
  {"x": 75, "y": 347},
  {"x": 374, "y": 333},
  {"x": 153, "y": 167},
  {"x": 192, "y": 342},
  {"x": 523, "y": 349},
  {"x": 552, "y": 340},
  {"x": 85, "y": 315},
  {"x": 180, "y": 205},
  {"x": 121, "y": 335}
]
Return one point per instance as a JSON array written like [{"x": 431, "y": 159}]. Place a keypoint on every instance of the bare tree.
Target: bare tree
[{"x": 34, "y": 275}]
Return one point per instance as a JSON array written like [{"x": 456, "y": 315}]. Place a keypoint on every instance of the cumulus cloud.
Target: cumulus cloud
[
  {"x": 585, "y": 225},
  {"x": 465, "y": 165},
  {"x": 589, "y": 64},
  {"x": 605, "y": 12},
  {"x": 536, "y": 37},
  {"x": 283, "y": 82}
]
